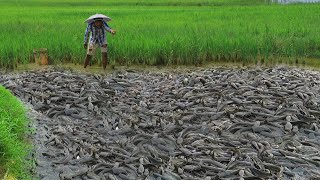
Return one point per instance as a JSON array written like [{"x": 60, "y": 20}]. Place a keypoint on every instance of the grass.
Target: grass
[
  {"x": 57, "y": 3},
  {"x": 162, "y": 32},
  {"x": 13, "y": 128}
]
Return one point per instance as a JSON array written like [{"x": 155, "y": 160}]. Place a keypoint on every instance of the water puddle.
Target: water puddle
[{"x": 295, "y": 1}]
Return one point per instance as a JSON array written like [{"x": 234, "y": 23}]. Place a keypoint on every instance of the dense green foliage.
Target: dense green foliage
[
  {"x": 163, "y": 31},
  {"x": 13, "y": 128}
]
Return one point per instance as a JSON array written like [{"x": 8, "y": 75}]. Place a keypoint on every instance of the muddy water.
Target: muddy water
[{"x": 295, "y": 1}]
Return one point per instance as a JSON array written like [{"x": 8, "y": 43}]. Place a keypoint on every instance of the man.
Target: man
[{"x": 97, "y": 38}]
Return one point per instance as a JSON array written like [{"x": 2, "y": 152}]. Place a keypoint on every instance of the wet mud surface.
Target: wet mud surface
[{"x": 206, "y": 124}]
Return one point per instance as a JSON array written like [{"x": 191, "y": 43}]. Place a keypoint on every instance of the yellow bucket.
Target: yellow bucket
[{"x": 41, "y": 56}]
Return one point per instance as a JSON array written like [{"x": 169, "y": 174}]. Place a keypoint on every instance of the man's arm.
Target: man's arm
[
  {"x": 86, "y": 35},
  {"x": 108, "y": 28}
]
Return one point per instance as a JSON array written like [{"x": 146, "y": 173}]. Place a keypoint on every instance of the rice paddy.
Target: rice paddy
[{"x": 166, "y": 32}]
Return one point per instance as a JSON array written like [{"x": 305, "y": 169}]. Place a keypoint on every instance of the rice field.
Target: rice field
[{"x": 163, "y": 32}]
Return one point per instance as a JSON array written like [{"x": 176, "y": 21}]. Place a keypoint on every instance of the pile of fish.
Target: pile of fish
[{"x": 204, "y": 124}]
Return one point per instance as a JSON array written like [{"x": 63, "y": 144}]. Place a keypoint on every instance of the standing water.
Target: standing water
[{"x": 295, "y": 1}]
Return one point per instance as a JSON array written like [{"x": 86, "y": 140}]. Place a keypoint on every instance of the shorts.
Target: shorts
[{"x": 93, "y": 48}]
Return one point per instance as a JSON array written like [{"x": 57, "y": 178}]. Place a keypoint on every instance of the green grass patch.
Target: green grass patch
[
  {"x": 13, "y": 128},
  {"x": 161, "y": 32}
]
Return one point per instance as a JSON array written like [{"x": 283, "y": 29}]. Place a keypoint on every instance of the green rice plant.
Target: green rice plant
[{"x": 163, "y": 32}]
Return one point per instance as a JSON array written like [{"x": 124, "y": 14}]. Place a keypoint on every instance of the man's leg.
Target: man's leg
[
  {"x": 104, "y": 51},
  {"x": 88, "y": 56},
  {"x": 91, "y": 50},
  {"x": 87, "y": 60}
]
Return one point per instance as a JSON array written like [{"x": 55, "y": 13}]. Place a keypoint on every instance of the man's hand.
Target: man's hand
[
  {"x": 85, "y": 46},
  {"x": 113, "y": 32}
]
